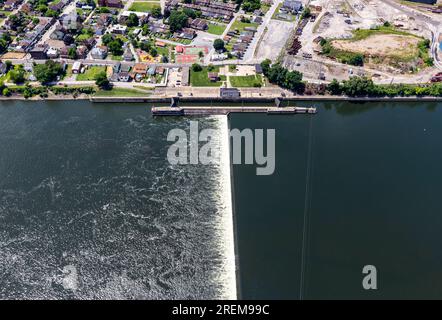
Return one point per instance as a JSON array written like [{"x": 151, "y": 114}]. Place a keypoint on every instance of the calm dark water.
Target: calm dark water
[
  {"x": 369, "y": 194},
  {"x": 90, "y": 207}
]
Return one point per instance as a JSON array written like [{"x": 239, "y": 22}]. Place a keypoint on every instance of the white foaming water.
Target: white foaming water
[{"x": 229, "y": 276}]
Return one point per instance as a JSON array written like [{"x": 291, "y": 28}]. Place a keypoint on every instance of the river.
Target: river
[{"x": 90, "y": 208}]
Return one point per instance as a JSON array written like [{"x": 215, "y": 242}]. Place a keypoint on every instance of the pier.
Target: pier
[{"x": 225, "y": 110}]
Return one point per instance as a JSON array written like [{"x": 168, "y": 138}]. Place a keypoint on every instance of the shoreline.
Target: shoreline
[
  {"x": 217, "y": 99},
  {"x": 167, "y": 100}
]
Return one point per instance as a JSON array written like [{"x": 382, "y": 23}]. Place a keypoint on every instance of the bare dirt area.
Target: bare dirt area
[
  {"x": 384, "y": 45},
  {"x": 274, "y": 39}
]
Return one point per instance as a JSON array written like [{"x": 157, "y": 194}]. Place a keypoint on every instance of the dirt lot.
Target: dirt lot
[
  {"x": 274, "y": 39},
  {"x": 385, "y": 45}
]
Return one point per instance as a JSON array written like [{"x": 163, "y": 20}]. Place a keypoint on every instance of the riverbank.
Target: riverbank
[{"x": 214, "y": 99}]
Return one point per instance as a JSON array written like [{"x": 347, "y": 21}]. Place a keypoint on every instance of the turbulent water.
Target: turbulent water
[{"x": 91, "y": 209}]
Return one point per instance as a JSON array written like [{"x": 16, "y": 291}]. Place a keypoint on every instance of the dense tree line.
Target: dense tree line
[
  {"x": 364, "y": 87},
  {"x": 279, "y": 75}
]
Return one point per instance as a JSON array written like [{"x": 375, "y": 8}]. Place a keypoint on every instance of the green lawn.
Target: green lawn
[
  {"x": 116, "y": 58},
  {"x": 216, "y": 29},
  {"x": 200, "y": 78},
  {"x": 121, "y": 92},
  {"x": 246, "y": 81},
  {"x": 361, "y": 34},
  {"x": 240, "y": 26},
  {"x": 163, "y": 51},
  {"x": 143, "y": 6},
  {"x": 90, "y": 73}
]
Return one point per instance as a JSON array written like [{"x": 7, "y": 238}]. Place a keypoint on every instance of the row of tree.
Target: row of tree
[
  {"x": 364, "y": 87},
  {"x": 284, "y": 78}
]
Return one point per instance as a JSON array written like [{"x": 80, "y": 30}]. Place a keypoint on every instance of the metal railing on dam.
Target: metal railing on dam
[{"x": 225, "y": 110}]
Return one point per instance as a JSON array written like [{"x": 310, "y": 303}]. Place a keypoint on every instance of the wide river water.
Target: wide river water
[{"x": 91, "y": 208}]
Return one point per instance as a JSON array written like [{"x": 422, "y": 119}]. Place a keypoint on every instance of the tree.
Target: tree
[
  {"x": 356, "y": 60},
  {"x": 17, "y": 75},
  {"x": 306, "y": 13},
  {"x": 189, "y": 13},
  {"x": 265, "y": 65},
  {"x": 153, "y": 52},
  {"x": 6, "y": 92},
  {"x": 116, "y": 47},
  {"x": 48, "y": 72},
  {"x": 102, "y": 81},
  {"x": 218, "y": 44},
  {"x": 177, "y": 20},
  {"x": 51, "y": 13},
  {"x": 334, "y": 87},
  {"x": 156, "y": 12},
  {"x": 196, "y": 67},
  {"x": 72, "y": 53},
  {"x": 145, "y": 46},
  {"x": 8, "y": 65},
  {"x": 132, "y": 20},
  {"x": 358, "y": 86},
  {"x": 107, "y": 38}
]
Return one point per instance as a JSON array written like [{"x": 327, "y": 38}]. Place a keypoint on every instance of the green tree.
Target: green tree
[
  {"x": 102, "y": 81},
  {"x": 116, "y": 47},
  {"x": 306, "y": 13},
  {"x": 107, "y": 38},
  {"x": 358, "y": 86},
  {"x": 72, "y": 53},
  {"x": 17, "y": 75},
  {"x": 218, "y": 44},
  {"x": 156, "y": 12},
  {"x": 153, "y": 52},
  {"x": 196, "y": 67},
  {"x": 177, "y": 20},
  {"x": 334, "y": 87},
  {"x": 132, "y": 20},
  {"x": 48, "y": 72}
]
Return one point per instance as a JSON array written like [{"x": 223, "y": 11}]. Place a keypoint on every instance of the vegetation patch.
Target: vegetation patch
[
  {"x": 216, "y": 29},
  {"x": 246, "y": 81},
  {"x": 143, "y": 6},
  {"x": 199, "y": 77},
  {"x": 121, "y": 92},
  {"x": 91, "y": 73}
]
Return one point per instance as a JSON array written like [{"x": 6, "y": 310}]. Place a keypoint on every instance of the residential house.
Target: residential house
[
  {"x": 187, "y": 33},
  {"x": 160, "y": 70},
  {"x": 3, "y": 67},
  {"x": 118, "y": 29},
  {"x": 116, "y": 67},
  {"x": 110, "y": 3},
  {"x": 99, "y": 52},
  {"x": 128, "y": 55},
  {"x": 81, "y": 52},
  {"x": 52, "y": 53},
  {"x": 123, "y": 77},
  {"x": 199, "y": 24},
  {"x": 39, "y": 52},
  {"x": 293, "y": 6}
]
